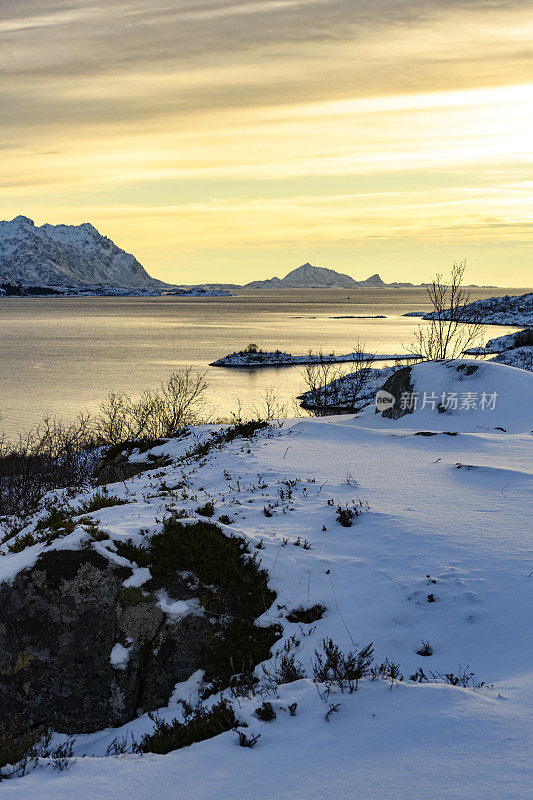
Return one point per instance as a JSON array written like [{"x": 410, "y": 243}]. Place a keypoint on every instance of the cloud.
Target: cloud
[{"x": 102, "y": 96}]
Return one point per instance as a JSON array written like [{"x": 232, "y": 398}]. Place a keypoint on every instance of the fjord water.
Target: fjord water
[{"x": 63, "y": 355}]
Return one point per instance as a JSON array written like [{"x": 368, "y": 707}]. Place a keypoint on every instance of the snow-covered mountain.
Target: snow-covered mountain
[
  {"x": 65, "y": 255},
  {"x": 309, "y": 277}
]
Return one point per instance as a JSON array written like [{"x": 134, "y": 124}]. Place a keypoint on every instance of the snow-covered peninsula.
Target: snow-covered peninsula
[
  {"x": 507, "y": 310},
  {"x": 514, "y": 349},
  {"x": 260, "y": 358}
]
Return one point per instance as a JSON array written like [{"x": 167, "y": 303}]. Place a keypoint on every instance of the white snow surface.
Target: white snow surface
[
  {"x": 448, "y": 516},
  {"x": 139, "y": 576},
  {"x": 177, "y": 609},
  {"x": 120, "y": 656},
  {"x": 492, "y": 396}
]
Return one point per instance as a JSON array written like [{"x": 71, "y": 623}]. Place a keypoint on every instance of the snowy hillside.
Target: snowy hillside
[
  {"x": 507, "y": 310},
  {"x": 416, "y": 543},
  {"x": 461, "y": 395},
  {"x": 65, "y": 255},
  {"x": 521, "y": 357},
  {"x": 514, "y": 349}
]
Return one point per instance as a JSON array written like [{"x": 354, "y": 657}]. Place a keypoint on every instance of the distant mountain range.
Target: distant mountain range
[
  {"x": 74, "y": 259},
  {"x": 309, "y": 277},
  {"x": 66, "y": 255}
]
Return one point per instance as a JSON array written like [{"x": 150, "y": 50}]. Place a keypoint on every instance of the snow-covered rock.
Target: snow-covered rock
[
  {"x": 65, "y": 255},
  {"x": 461, "y": 395},
  {"x": 508, "y": 342},
  {"x": 120, "y": 656},
  {"x": 514, "y": 349},
  {"x": 521, "y": 357},
  {"x": 507, "y": 310}
]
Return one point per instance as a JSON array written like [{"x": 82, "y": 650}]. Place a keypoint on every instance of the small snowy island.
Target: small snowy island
[{"x": 252, "y": 356}]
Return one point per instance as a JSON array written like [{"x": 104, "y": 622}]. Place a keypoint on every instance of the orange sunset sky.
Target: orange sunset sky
[{"x": 229, "y": 141}]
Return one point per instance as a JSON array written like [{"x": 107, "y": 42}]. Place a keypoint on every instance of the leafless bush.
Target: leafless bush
[
  {"x": 463, "y": 678},
  {"x": 451, "y": 330},
  {"x": 333, "y": 668},
  {"x": 334, "y": 386},
  {"x": 155, "y": 414},
  {"x": 58, "y": 454},
  {"x": 54, "y": 454},
  {"x": 20, "y": 753},
  {"x": 285, "y": 669},
  {"x": 388, "y": 671},
  {"x": 271, "y": 407}
]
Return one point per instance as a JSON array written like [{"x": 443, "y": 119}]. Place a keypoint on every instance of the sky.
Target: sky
[{"x": 227, "y": 141}]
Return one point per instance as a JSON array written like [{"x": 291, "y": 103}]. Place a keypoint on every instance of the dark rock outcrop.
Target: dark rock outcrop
[
  {"x": 61, "y": 620},
  {"x": 119, "y": 468},
  {"x": 80, "y": 651},
  {"x": 398, "y": 383}
]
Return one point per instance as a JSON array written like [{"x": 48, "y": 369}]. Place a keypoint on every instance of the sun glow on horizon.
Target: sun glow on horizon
[{"x": 371, "y": 149}]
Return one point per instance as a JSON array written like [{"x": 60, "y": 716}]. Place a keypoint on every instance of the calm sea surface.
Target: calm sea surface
[{"x": 62, "y": 355}]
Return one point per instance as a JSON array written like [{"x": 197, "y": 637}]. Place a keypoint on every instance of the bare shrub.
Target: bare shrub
[
  {"x": 388, "y": 671},
  {"x": 54, "y": 454},
  {"x": 332, "y": 386},
  {"x": 463, "y": 678},
  {"x": 247, "y": 741},
  {"x": 451, "y": 330},
  {"x": 286, "y": 669},
  {"x": 19, "y": 753},
  {"x": 333, "y": 668},
  {"x": 271, "y": 408},
  {"x": 155, "y": 414},
  {"x": 265, "y": 712},
  {"x": 199, "y": 723},
  {"x": 321, "y": 381}
]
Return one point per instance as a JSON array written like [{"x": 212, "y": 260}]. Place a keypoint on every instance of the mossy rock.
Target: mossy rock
[{"x": 62, "y": 617}]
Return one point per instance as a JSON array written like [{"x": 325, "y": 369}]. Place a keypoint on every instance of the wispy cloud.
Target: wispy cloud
[{"x": 110, "y": 95}]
